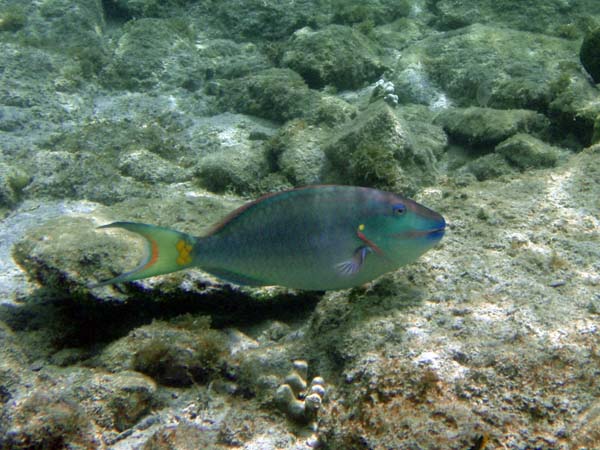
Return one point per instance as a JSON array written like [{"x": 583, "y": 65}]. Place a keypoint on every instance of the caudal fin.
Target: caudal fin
[{"x": 167, "y": 251}]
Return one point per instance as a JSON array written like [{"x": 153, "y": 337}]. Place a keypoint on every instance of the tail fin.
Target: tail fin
[{"x": 167, "y": 251}]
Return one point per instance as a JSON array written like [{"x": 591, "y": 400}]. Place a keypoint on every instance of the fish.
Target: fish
[{"x": 315, "y": 238}]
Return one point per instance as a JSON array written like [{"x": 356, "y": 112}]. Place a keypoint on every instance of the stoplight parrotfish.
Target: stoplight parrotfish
[{"x": 313, "y": 238}]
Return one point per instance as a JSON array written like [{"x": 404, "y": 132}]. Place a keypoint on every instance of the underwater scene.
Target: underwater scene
[{"x": 300, "y": 224}]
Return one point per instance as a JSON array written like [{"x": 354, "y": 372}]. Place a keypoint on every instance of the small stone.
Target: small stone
[{"x": 525, "y": 151}]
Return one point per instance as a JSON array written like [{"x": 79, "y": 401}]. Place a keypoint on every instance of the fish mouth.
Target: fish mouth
[
  {"x": 436, "y": 233},
  {"x": 433, "y": 233}
]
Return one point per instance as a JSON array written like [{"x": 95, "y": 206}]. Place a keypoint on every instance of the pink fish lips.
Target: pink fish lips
[{"x": 312, "y": 238}]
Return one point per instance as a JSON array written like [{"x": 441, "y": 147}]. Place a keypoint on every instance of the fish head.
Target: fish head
[{"x": 402, "y": 229}]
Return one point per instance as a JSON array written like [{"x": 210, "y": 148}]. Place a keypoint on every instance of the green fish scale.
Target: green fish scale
[{"x": 300, "y": 236}]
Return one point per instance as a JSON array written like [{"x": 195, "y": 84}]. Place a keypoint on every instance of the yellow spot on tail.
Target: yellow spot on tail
[
  {"x": 361, "y": 227},
  {"x": 183, "y": 249}
]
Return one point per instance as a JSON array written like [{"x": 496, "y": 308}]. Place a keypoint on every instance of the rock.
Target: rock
[
  {"x": 153, "y": 53},
  {"x": 67, "y": 410},
  {"x": 15, "y": 377},
  {"x": 74, "y": 28},
  {"x": 557, "y": 18},
  {"x": 49, "y": 421},
  {"x": 146, "y": 166},
  {"x": 335, "y": 55},
  {"x": 172, "y": 354},
  {"x": 528, "y": 152},
  {"x": 230, "y": 154},
  {"x": 42, "y": 253},
  {"x": 296, "y": 151},
  {"x": 183, "y": 436},
  {"x": 589, "y": 54},
  {"x": 492, "y": 165},
  {"x": 13, "y": 18},
  {"x": 485, "y": 127},
  {"x": 574, "y": 109},
  {"x": 31, "y": 79},
  {"x": 226, "y": 59},
  {"x": 377, "y": 149},
  {"x": 264, "y": 19},
  {"x": 377, "y": 12},
  {"x": 12, "y": 182},
  {"x": 280, "y": 95},
  {"x": 462, "y": 62},
  {"x": 98, "y": 161},
  {"x": 259, "y": 371},
  {"x": 116, "y": 401},
  {"x": 274, "y": 94},
  {"x": 237, "y": 167},
  {"x": 136, "y": 9}
]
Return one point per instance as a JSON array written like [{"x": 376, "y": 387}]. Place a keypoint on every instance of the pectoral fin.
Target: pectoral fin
[{"x": 353, "y": 265}]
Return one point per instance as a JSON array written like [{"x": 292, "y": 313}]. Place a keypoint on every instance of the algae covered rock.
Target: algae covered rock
[
  {"x": 183, "y": 436},
  {"x": 335, "y": 55},
  {"x": 485, "y": 127},
  {"x": 12, "y": 182},
  {"x": 113, "y": 400},
  {"x": 528, "y": 152},
  {"x": 296, "y": 151},
  {"x": 376, "y": 11},
  {"x": 589, "y": 54},
  {"x": 517, "y": 69},
  {"x": 275, "y": 94},
  {"x": 180, "y": 353},
  {"x": 575, "y": 107},
  {"x": 264, "y": 19},
  {"x": 43, "y": 253},
  {"x": 49, "y": 421},
  {"x": 153, "y": 53},
  {"x": 74, "y": 27},
  {"x": 15, "y": 376},
  {"x": 67, "y": 411},
  {"x": 225, "y": 58},
  {"x": 558, "y": 18},
  {"x": 489, "y": 166},
  {"x": 378, "y": 149},
  {"x": 596, "y": 135},
  {"x": 234, "y": 168},
  {"x": 131, "y": 9}
]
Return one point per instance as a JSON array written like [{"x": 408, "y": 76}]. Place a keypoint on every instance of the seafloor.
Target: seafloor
[{"x": 174, "y": 112}]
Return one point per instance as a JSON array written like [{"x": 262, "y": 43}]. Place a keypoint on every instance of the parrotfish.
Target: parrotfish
[{"x": 312, "y": 238}]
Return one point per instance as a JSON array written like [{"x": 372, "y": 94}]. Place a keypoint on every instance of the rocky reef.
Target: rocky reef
[{"x": 176, "y": 112}]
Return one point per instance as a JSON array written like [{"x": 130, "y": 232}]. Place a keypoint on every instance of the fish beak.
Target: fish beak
[{"x": 435, "y": 233}]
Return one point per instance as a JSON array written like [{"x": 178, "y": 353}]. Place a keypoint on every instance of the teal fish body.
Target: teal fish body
[{"x": 313, "y": 238}]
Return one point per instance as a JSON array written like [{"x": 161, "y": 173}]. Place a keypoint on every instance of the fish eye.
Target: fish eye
[{"x": 399, "y": 209}]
